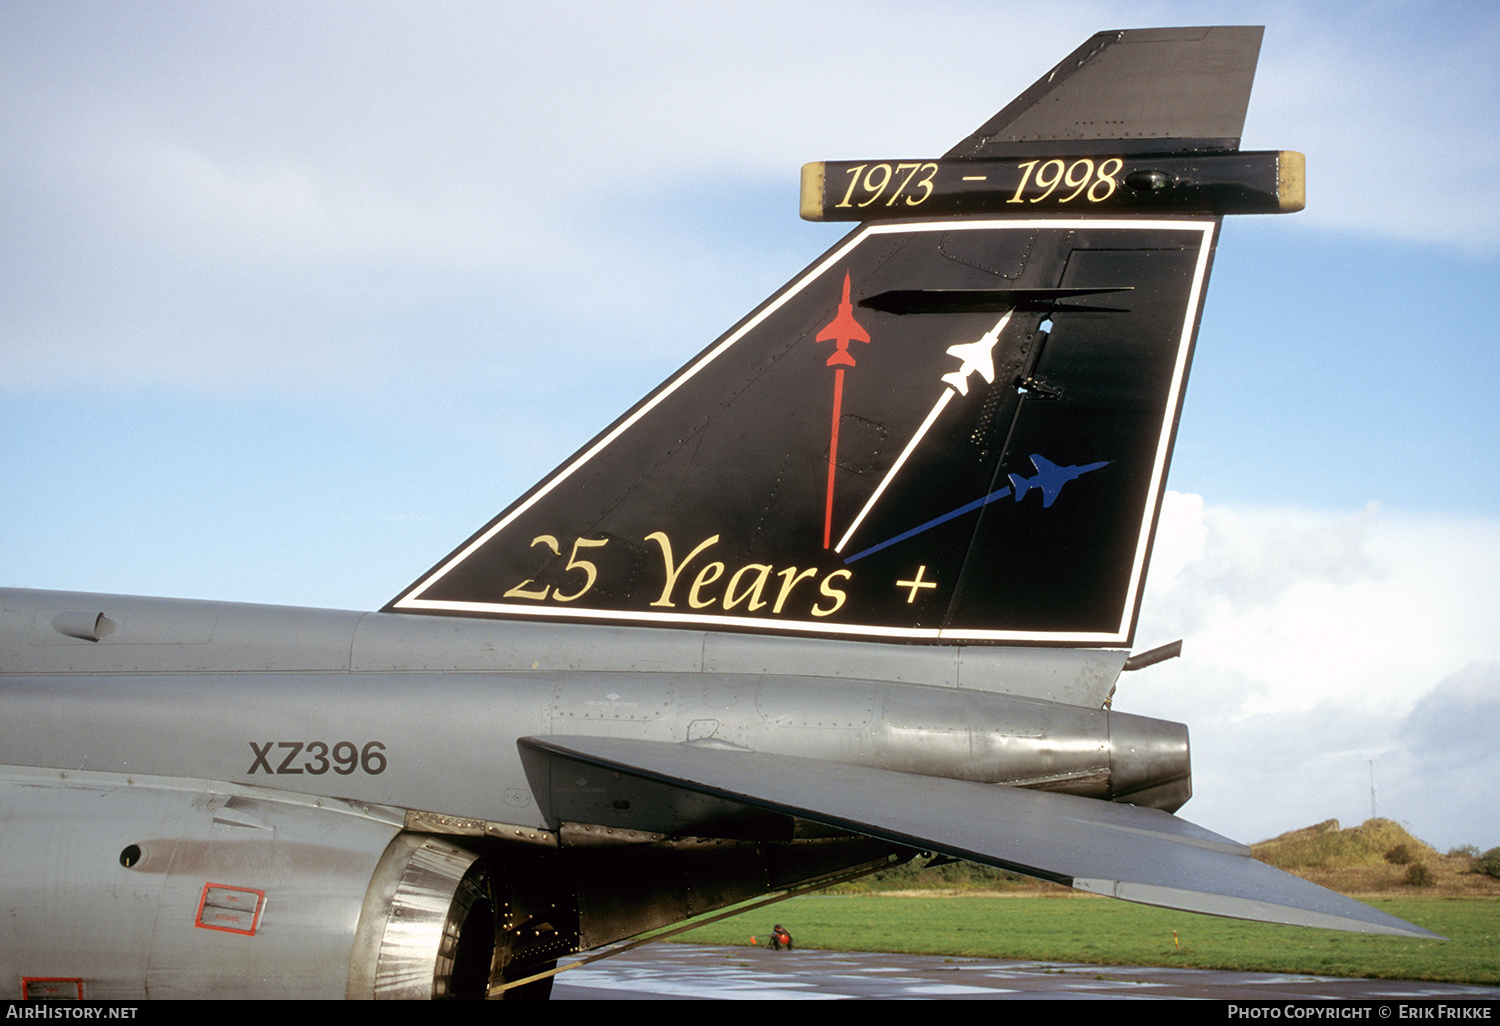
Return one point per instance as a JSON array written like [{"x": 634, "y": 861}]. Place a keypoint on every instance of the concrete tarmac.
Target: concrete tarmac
[{"x": 690, "y": 971}]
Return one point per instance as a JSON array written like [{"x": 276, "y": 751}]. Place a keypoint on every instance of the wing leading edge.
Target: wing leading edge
[{"x": 1122, "y": 851}]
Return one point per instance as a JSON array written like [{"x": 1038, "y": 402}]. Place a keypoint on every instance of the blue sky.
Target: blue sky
[{"x": 298, "y": 296}]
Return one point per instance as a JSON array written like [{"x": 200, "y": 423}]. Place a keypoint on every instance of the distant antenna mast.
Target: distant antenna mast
[{"x": 1371, "y": 761}]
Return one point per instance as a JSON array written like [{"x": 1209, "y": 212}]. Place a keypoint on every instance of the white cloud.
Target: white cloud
[
  {"x": 1316, "y": 640},
  {"x": 1373, "y": 93},
  {"x": 1459, "y": 719}
]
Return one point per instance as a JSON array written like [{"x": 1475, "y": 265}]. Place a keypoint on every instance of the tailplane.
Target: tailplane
[{"x": 1024, "y": 310}]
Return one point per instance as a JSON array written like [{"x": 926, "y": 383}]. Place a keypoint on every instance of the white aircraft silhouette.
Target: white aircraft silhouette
[{"x": 978, "y": 355}]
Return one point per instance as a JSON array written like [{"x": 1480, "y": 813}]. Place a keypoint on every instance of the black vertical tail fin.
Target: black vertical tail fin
[{"x": 987, "y": 462}]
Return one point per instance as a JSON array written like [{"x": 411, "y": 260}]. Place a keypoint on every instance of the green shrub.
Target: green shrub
[
  {"x": 1418, "y": 875},
  {"x": 1400, "y": 855},
  {"x": 1488, "y": 863}
]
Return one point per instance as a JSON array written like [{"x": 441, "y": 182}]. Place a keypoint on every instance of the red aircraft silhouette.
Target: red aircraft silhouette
[{"x": 842, "y": 330}]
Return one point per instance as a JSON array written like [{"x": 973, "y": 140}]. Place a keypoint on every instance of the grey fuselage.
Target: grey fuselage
[
  {"x": 432, "y": 706},
  {"x": 249, "y": 801}
]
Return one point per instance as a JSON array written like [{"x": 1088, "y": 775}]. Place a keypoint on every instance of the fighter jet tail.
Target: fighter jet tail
[{"x": 1025, "y": 309}]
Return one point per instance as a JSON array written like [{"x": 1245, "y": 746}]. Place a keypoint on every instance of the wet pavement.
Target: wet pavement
[{"x": 688, "y": 971}]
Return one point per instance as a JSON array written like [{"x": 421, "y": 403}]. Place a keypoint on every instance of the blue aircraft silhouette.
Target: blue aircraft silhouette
[{"x": 1049, "y": 478}]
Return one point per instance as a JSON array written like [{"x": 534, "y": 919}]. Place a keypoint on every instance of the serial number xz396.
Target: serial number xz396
[{"x": 317, "y": 757}]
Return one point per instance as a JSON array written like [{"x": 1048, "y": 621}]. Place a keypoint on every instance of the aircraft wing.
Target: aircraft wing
[{"x": 1122, "y": 851}]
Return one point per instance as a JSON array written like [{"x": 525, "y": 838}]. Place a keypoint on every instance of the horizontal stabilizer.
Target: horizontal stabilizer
[{"x": 1140, "y": 855}]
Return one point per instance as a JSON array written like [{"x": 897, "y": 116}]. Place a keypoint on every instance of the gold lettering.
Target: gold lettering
[
  {"x": 673, "y": 570},
  {"x": 1095, "y": 185},
  {"x": 789, "y": 579},
  {"x": 869, "y": 183},
  {"x": 520, "y": 590},
  {"x": 716, "y": 569},
  {"x": 1048, "y": 182},
  {"x": 853, "y": 173},
  {"x": 829, "y": 591},
  {"x": 1107, "y": 172},
  {"x": 925, "y": 183},
  {"x": 910, "y": 169},
  {"x": 1087, "y": 167},
  {"x": 732, "y": 599},
  {"x": 745, "y": 588},
  {"x": 1024, "y": 179},
  {"x": 591, "y": 572}
]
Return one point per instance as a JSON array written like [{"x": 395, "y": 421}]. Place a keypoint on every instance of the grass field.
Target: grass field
[{"x": 1103, "y": 931}]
